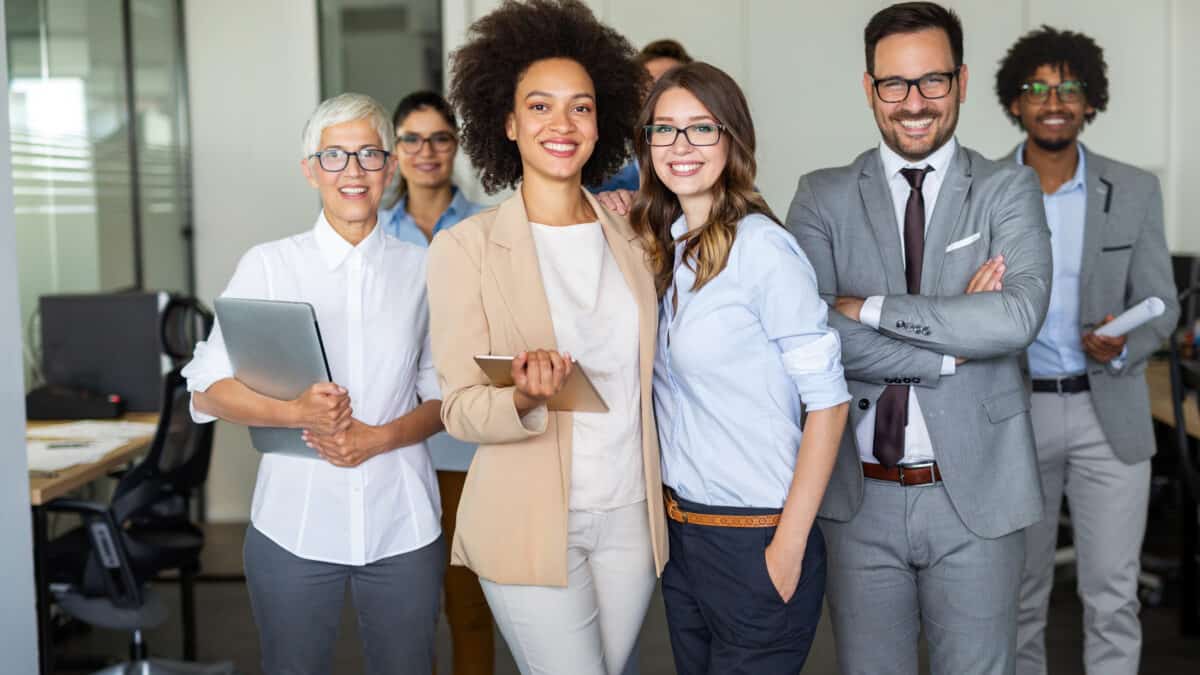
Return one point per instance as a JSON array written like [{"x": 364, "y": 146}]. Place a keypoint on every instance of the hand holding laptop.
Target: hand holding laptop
[{"x": 323, "y": 408}]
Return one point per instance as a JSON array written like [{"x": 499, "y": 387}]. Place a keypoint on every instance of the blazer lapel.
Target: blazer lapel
[
  {"x": 1095, "y": 224},
  {"x": 626, "y": 247},
  {"x": 947, "y": 216},
  {"x": 877, "y": 199},
  {"x": 518, "y": 277}
]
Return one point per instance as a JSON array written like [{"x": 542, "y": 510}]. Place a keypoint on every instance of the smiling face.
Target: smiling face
[
  {"x": 916, "y": 126},
  {"x": 1052, "y": 124},
  {"x": 427, "y": 167},
  {"x": 687, "y": 170},
  {"x": 351, "y": 195},
  {"x": 553, "y": 120}
]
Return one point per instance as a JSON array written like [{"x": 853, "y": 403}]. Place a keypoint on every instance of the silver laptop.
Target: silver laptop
[{"x": 276, "y": 350}]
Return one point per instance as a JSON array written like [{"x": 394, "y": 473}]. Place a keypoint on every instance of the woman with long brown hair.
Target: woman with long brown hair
[{"x": 743, "y": 351}]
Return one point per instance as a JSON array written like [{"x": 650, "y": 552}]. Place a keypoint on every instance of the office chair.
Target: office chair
[
  {"x": 110, "y": 592},
  {"x": 150, "y": 508},
  {"x": 1185, "y": 384}
]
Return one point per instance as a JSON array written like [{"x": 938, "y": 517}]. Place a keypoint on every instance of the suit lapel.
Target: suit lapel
[
  {"x": 1095, "y": 224},
  {"x": 518, "y": 277},
  {"x": 947, "y": 214},
  {"x": 877, "y": 199}
]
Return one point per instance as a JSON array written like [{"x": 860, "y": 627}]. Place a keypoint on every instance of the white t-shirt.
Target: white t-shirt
[
  {"x": 370, "y": 302},
  {"x": 596, "y": 320}
]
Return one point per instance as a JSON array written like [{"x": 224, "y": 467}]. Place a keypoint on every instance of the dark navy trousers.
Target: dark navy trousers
[{"x": 723, "y": 612}]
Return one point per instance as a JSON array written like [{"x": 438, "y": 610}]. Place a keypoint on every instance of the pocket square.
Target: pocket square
[{"x": 966, "y": 241}]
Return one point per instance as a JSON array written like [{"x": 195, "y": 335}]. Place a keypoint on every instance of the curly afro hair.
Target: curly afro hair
[
  {"x": 500, "y": 48},
  {"x": 1063, "y": 49}
]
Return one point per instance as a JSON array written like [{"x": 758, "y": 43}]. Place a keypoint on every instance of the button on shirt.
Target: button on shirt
[
  {"x": 449, "y": 453},
  {"x": 735, "y": 360},
  {"x": 370, "y": 303},
  {"x": 918, "y": 447},
  {"x": 1058, "y": 349}
]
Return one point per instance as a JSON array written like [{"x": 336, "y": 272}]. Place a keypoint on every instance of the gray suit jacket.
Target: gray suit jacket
[
  {"x": 1125, "y": 261},
  {"x": 978, "y": 418}
]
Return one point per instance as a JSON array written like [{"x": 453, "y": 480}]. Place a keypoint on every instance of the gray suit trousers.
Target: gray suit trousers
[
  {"x": 297, "y": 605},
  {"x": 906, "y": 563},
  {"x": 1108, "y": 500}
]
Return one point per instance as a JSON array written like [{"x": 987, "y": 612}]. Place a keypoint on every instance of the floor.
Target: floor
[{"x": 226, "y": 630}]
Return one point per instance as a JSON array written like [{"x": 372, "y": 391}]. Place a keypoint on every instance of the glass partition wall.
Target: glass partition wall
[{"x": 99, "y": 146}]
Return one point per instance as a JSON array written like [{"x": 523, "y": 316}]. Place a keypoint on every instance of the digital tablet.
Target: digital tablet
[
  {"x": 577, "y": 395},
  {"x": 276, "y": 350}
]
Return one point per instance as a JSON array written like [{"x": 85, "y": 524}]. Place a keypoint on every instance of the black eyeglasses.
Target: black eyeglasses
[
  {"x": 1068, "y": 91},
  {"x": 931, "y": 86},
  {"x": 699, "y": 135},
  {"x": 441, "y": 142},
  {"x": 336, "y": 159}
]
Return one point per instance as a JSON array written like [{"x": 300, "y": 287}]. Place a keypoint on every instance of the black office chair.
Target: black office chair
[
  {"x": 1185, "y": 384},
  {"x": 150, "y": 508}
]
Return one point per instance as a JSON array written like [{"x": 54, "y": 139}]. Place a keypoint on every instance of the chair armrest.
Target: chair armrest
[{"x": 76, "y": 506}]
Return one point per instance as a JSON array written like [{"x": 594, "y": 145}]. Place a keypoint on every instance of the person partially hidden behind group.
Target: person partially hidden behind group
[
  {"x": 562, "y": 514},
  {"x": 429, "y": 202},
  {"x": 364, "y": 509}
]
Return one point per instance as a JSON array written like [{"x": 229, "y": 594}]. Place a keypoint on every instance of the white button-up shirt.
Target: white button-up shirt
[
  {"x": 918, "y": 447},
  {"x": 371, "y": 306}
]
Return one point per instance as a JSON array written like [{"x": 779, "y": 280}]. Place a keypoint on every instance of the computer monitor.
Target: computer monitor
[{"x": 108, "y": 343}]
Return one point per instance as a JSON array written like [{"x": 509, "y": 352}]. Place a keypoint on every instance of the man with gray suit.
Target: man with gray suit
[
  {"x": 1091, "y": 410},
  {"x": 938, "y": 262}
]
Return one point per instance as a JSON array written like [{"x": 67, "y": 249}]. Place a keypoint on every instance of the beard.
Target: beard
[
  {"x": 1052, "y": 144},
  {"x": 916, "y": 151}
]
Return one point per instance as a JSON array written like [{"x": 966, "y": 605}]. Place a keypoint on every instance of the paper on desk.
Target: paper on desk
[
  {"x": 42, "y": 457},
  {"x": 89, "y": 430}
]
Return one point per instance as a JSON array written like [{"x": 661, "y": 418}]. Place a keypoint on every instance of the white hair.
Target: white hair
[{"x": 348, "y": 108}]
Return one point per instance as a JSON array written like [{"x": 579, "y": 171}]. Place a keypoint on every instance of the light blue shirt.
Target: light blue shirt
[
  {"x": 397, "y": 222},
  {"x": 1058, "y": 349},
  {"x": 734, "y": 362},
  {"x": 449, "y": 453}
]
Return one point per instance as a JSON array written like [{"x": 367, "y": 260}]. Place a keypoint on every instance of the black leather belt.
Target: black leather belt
[{"x": 1062, "y": 385}]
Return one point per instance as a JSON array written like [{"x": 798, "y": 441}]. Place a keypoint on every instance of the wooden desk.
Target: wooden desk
[
  {"x": 1158, "y": 377},
  {"x": 46, "y": 487},
  {"x": 43, "y": 487}
]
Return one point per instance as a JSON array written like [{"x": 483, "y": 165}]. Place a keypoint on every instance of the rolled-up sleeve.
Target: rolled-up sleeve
[
  {"x": 795, "y": 318},
  {"x": 427, "y": 379},
  {"x": 210, "y": 362}
]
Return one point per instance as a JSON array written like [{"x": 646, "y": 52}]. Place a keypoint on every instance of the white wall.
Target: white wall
[
  {"x": 252, "y": 71},
  {"x": 18, "y": 630}
]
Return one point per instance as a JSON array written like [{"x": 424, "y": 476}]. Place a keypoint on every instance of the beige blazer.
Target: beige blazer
[{"x": 486, "y": 297}]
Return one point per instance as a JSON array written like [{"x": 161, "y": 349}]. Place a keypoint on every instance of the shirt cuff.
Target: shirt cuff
[
  {"x": 949, "y": 365},
  {"x": 535, "y": 420},
  {"x": 1119, "y": 362},
  {"x": 872, "y": 310}
]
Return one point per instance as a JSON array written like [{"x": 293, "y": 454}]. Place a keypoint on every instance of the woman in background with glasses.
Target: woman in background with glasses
[
  {"x": 427, "y": 200},
  {"x": 743, "y": 349},
  {"x": 427, "y": 141},
  {"x": 364, "y": 509}
]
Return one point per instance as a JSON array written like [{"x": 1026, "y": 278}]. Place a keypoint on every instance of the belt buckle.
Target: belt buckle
[
  {"x": 922, "y": 465},
  {"x": 1058, "y": 385}
]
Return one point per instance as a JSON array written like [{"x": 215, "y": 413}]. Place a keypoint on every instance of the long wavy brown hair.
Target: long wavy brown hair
[{"x": 656, "y": 208}]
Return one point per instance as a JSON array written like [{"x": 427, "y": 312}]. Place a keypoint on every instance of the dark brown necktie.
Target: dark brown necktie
[{"x": 891, "y": 411}]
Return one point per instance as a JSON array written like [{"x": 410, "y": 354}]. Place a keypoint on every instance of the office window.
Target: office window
[
  {"x": 382, "y": 48},
  {"x": 99, "y": 145}
]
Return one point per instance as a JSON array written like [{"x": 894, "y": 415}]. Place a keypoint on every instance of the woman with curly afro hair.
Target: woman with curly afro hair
[{"x": 562, "y": 513}]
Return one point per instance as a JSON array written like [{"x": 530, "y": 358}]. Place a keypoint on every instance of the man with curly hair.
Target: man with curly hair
[{"x": 1090, "y": 409}]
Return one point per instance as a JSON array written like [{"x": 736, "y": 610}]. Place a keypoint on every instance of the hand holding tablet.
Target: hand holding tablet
[{"x": 575, "y": 392}]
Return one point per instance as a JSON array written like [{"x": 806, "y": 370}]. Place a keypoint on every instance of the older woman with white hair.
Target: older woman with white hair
[{"x": 366, "y": 512}]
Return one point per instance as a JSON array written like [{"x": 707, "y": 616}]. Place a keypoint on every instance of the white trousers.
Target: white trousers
[
  {"x": 591, "y": 626},
  {"x": 1108, "y": 500}
]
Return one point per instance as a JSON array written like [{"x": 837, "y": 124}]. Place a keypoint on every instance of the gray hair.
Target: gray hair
[{"x": 348, "y": 108}]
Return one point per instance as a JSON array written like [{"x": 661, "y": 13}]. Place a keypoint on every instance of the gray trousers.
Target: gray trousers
[
  {"x": 297, "y": 605},
  {"x": 907, "y": 564},
  {"x": 1108, "y": 501}
]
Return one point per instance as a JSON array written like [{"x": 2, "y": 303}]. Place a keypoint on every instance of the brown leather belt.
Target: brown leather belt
[
  {"x": 713, "y": 519},
  {"x": 919, "y": 474}
]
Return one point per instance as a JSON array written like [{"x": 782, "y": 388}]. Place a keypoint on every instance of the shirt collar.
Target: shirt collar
[
  {"x": 679, "y": 227},
  {"x": 456, "y": 211},
  {"x": 1077, "y": 181},
  {"x": 334, "y": 249},
  {"x": 939, "y": 159}
]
